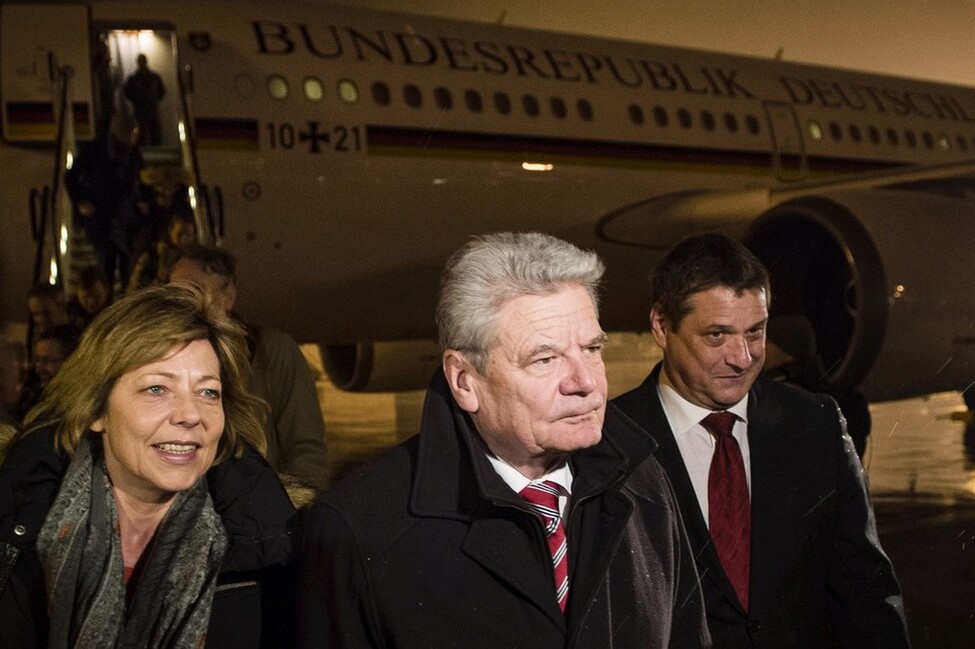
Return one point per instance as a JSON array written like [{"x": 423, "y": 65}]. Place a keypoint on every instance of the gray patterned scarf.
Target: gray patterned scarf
[{"x": 81, "y": 552}]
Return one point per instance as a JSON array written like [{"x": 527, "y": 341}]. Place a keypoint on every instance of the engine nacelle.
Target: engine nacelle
[
  {"x": 391, "y": 366},
  {"x": 884, "y": 277}
]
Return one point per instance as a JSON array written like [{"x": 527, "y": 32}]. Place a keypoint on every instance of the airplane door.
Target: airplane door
[
  {"x": 171, "y": 169},
  {"x": 788, "y": 150},
  {"x": 36, "y": 41}
]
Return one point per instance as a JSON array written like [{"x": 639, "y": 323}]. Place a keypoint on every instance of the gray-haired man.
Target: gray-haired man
[{"x": 526, "y": 512}]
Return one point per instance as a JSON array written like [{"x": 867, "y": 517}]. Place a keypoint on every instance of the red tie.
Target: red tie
[
  {"x": 543, "y": 499},
  {"x": 729, "y": 513}
]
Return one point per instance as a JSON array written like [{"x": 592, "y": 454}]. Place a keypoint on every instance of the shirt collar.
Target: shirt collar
[
  {"x": 561, "y": 476},
  {"x": 684, "y": 415}
]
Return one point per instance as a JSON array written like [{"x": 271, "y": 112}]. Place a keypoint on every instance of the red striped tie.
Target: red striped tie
[
  {"x": 729, "y": 510},
  {"x": 543, "y": 498}
]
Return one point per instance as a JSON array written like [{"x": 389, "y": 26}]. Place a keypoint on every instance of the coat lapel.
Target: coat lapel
[
  {"x": 769, "y": 431},
  {"x": 454, "y": 480},
  {"x": 504, "y": 550},
  {"x": 597, "y": 526}
]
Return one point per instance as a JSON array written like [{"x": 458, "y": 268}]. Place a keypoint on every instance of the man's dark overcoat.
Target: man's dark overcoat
[{"x": 428, "y": 547}]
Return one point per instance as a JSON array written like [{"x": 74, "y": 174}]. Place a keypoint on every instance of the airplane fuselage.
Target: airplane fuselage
[{"x": 351, "y": 151}]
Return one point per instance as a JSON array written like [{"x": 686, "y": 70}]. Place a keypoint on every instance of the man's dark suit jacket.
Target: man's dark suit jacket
[{"x": 818, "y": 573}]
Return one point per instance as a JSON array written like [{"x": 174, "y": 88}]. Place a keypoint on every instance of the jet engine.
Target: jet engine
[
  {"x": 384, "y": 366},
  {"x": 884, "y": 275}
]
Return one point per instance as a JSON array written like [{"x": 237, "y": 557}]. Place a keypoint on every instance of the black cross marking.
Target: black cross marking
[{"x": 312, "y": 135}]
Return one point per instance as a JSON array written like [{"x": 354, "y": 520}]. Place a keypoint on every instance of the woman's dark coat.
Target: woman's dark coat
[{"x": 254, "y": 602}]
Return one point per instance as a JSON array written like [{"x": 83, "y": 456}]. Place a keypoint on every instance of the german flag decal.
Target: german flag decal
[
  {"x": 230, "y": 134},
  {"x": 35, "y": 121}
]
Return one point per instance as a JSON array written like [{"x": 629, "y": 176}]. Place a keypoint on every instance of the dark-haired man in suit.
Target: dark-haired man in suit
[{"x": 769, "y": 485}]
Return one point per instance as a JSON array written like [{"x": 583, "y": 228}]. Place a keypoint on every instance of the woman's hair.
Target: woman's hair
[
  {"x": 142, "y": 328},
  {"x": 490, "y": 270}
]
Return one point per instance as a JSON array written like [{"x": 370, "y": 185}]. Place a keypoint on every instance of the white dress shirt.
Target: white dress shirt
[
  {"x": 695, "y": 443},
  {"x": 562, "y": 476}
]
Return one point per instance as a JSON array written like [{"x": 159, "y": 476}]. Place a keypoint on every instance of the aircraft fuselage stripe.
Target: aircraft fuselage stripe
[{"x": 385, "y": 140}]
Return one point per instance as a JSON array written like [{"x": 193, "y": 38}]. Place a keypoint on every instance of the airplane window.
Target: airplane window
[
  {"x": 412, "y": 96},
  {"x": 502, "y": 103},
  {"x": 730, "y": 123},
  {"x": 558, "y": 107},
  {"x": 380, "y": 93},
  {"x": 348, "y": 91},
  {"x": 530, "y": 105},
  {"x": 314, "y": 90},
  {"x": 443, "y": 98},
  {"x": 944, "y": 143},
  {"x": 707, "y": 119},
  {"x": 660, "y": 116},
  {"x": 855, "y": 134},
  {"x": 928, "y": 140},
  {"x": 962, "y": 143},
  {"x": 684, "y": 118},
  {"x": 473, "y": 100},
  {"x": 815, "y": 130},
  {"x": 892, "y": 137},
  {"x": 910, "y": 139},
  {"x": 874, "y": 134},
  {"x": 636, "y": 114},
  {"x": 751, "y": 122},
  {"x": 835, "y": 131},
  {"x": 277, "y": 86},
  {"x": 585, "y": 110}
]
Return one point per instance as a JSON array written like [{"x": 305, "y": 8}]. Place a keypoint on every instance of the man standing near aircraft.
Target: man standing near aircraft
[
  {"x": 768, "y": 482},
  {"x": 145, "y": 89},
  {"x": 279, "y": 372},
  {"x": 526, "y": 512}
]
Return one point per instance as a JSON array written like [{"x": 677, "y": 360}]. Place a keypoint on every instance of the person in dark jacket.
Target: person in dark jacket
[
  {"x": 791, "y": 356},
  {"x": 279, "y": 373},
  {"x": 13, "y": 372},
  {"x": 154, "y": 266},
  {"x": 145, "y": 89},
  {"x": 136, "y": 509},
  {"x": 91, "y": 296},
  {"x": 102, "y": 184},
  {"x": 775, "y": 503},
  {"x": 526, "y": 513},
  {"x": 51, "y": 348}
]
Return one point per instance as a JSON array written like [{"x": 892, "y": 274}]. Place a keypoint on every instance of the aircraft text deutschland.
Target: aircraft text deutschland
[{"x": 333, "y": 42}]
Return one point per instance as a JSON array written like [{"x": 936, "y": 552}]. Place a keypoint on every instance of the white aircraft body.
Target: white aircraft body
[{"x": 343, "y": 154}]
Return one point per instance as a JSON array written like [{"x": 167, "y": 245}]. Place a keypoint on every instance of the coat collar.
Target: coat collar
[
  {"x": 452, "y": 465},
  {"x": 455, "y": 480}
]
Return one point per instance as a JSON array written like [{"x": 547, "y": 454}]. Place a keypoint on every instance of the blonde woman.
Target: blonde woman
[{"x": 136, "y": 509}]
